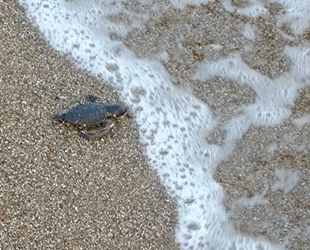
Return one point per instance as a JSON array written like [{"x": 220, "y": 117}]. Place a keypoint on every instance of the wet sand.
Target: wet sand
[{"x": 255, "y": 205}]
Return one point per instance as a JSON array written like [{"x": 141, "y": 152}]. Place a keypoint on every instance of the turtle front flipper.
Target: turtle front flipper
[
  {"x": 104, "y": 129},
  {"x": 92, "y": 98}
]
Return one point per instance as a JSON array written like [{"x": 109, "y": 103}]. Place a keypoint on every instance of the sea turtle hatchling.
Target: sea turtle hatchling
[{"x": 93, "y": 114}]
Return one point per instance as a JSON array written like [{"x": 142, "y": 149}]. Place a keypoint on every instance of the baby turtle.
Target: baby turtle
[{"x": 93, "y": 114}]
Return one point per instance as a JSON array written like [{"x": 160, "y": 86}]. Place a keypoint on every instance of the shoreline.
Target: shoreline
[
  {"x": 58, "y": 190},
  {"x": 101, "y": 192}
]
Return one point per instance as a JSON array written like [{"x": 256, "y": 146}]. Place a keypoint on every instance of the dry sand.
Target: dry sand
[{"x": 57, "y": 190}]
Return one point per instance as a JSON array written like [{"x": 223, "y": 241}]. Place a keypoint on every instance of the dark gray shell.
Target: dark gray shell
[{"x": 89, "y": 114}]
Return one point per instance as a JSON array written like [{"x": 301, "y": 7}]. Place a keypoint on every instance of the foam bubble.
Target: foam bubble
[
  {"x": 286, "y": 180},
  {"x": 254, "y": 8},
  {"x": 182, "y": 4},
  {"x": 256, "y": 199},
  {"x": 301, "y": 121},
  {"x": 248, "y": 31}
]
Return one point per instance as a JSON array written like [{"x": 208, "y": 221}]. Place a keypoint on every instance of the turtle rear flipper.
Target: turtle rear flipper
[
  {"x": 59, "y": 118},
  {"x": 104, "y": 129}
]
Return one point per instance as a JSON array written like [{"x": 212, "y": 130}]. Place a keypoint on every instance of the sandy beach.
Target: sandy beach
[{"x": 59, "y": 191}]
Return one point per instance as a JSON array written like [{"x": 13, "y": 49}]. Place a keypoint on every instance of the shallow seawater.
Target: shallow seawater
[{"x": 173, "y": 122}]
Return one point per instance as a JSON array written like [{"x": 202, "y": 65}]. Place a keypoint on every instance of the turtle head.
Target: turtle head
[{"x": 115, "y": 110}]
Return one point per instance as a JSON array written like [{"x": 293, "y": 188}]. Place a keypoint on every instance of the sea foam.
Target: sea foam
[
  {"x": 294, "y": 13},
  {"x": 172, "y": 122}
]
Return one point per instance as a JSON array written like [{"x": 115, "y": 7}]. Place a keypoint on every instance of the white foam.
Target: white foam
[
  {"x": 286, "y": 180},
  {"x": 271, "y": 148},
  {"x": 182, "y": 4},
  {"x": 295, "y": 14},
  {"x": 274, "y": 96},
  {"x": 172, "y": 122},
  {"x": 249, "y": 31},
  {"x": 254, "y": 8},
  {"x": 257, "y": 199},
  {"x": 301, "y": 121}
]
